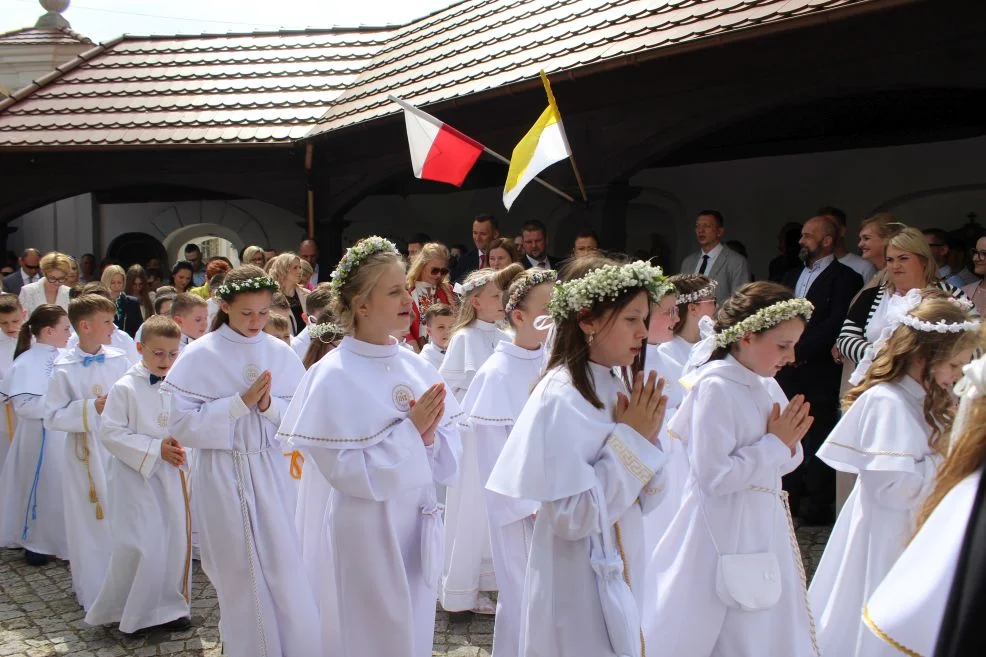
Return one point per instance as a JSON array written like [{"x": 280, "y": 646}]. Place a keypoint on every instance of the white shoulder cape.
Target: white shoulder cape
[
  {"x": 502, "y": 385},
  {"x": 31, "y": 371},
  {"x": 884, "y": 430},
  {"x": 76, "y": 355},
  {"x": 468, "y": 350}
]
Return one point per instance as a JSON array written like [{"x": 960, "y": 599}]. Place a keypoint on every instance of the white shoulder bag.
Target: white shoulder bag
[{"x": 620, "y": 611}]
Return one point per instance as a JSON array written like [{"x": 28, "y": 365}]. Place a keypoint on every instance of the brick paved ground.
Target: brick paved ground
[{"x": 40, "y": 618}]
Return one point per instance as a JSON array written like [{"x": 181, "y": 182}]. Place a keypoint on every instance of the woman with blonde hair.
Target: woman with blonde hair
[
  {"x": 253, "y": 255},
  {"x": 428, "y": 283},
  {"x": 129, "y": 316},
  {"x": 874, "y": 233},
  {"x": 51, "y": 288},
  {"x": 285, "y": 269},
  {"x": 910, "y": 266}
]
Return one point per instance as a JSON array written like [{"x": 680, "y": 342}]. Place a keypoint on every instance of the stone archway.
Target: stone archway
[
  {"x": 177, "y": 238},
  {"x": 135, "y": 248}
]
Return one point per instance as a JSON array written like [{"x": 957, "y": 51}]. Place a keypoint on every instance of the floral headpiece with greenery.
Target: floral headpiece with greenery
[
  {"x": 227, "y": 290},
  {"x": 357, "y": 255},
  {"x": 537, "y": 277},
  {"x": 317, "y": 331},
  {"x": 765, "y": 318},
  {"x": 476, "y": 280},
  {"x": 607, "y": 282},
  {"x": 707, "y": 292}
]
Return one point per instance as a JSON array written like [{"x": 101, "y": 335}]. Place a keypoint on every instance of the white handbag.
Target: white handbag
[
  {"x": 751, "y": 582},
  {"x": 620, "y": 611}
]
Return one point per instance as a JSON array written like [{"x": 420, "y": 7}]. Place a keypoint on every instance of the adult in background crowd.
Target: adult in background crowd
[
  {"x": 270, "y": 254},
  {"x": 960, "y": 259},
  {"x": 29, "y": 272},
  {"x": 975, "y": 291},
  {"x": 939, "y": 242},
  {"x": 830, "y": 286},
  {"x": 285, "y": 269},
  {"x": 874, "y": 234},
  {"x": 502, "y": 253},
  {"x": 216, "y": 265},
  {"x": 428, "y": 283},
  {"x": 858, "y": 264},
  {"x": 484, "y": 230},
  {"x": 193, "y": 255},
  {"x": 51, "y": 288},
  {"x": 586, "y": 243},
  {"x": 789, "y": 247},
  {"x": 253, "y": 255},
  {"x": 519, "y": 245},
  {"x": 414, "y": 245},
  {"x": 536, "y": 246},
  {"x": 136, "y": 286},
  {"x": 128, "y": 315},
  {"x": 181, "y": 276},
  {"x": 455, "y": 252},
  {"x": 87, "y": 268},
  {"x": 910, "y": 265},
  {"x": 308, "y": 251},
  {"x": 74, "y": 274},
  {"x": 714, "y": 259}
]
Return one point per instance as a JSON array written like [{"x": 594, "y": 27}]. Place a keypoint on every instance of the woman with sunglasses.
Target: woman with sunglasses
[
  {"x": 977, "y": 291},
  {"x": 51, "y": 288},
  {"x": 428, "y": 283}
]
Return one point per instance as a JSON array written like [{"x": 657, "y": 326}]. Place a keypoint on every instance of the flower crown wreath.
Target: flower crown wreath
[
  {"x": 317, "y": 331},
  {"x": 538, "y": 277},
  {"x": 477, "y": 281},
  {"x": 607, "y": 282},
  {"x": 765, "y": 318},
  {"x": 898, "y": 313},
  {"x": 257, "y": 284},
  {"x": 707, "y": 292},
  {"x": 356, "y": 255}
]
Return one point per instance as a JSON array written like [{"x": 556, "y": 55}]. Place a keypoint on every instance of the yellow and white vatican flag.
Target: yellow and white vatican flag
[{"x": 543, "y": 145}]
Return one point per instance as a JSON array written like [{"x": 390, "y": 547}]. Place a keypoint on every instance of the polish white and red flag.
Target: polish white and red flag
[{"x": 438, "y": 151}]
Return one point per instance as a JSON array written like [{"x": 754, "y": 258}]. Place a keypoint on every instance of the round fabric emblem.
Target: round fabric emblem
[
  {"x": 250, "y": 373},
  {"x": 97, "y": 390},
  {"x": 403, "y": 397}
]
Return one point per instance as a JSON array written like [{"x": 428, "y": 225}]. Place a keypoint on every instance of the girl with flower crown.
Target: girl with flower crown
[
  {"x": 585, "y": 448},
  {"x": 491, "y": 406},
  {"x": 726, "y": 579},
  {"x": 468, "y": 568},
  {"x": 230, "y": 389},
  {"x": 893, "y": 436},
  {"x": 376, "y": 421}
]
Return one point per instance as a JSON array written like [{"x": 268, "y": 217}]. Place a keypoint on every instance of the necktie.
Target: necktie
[
  {"x": 705, "y": 264},
  {"x": 482, "y": 261},
  {"x": 155, "y": 379},
  {"x": 89, "y": 360}
]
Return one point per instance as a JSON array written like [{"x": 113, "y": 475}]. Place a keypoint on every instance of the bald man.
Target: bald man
[
  {"x": 308, "y": 251},
  {"x": 830, "y": 286}
]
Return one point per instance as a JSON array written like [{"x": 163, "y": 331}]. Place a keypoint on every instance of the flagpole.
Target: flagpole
[
  {"x": 571, "y": 153},
  {"x": 486, "y": 149}
]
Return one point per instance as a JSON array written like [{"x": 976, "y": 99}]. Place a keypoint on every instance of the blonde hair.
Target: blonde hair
[
  {"x": 56, "y": 260},
  {"x": 277, "y": 322},
  {"x": 251, "y": 251},
  {"x": 159, "y": 326},
  {"x": 87, "y": 305},
  {"x": 884, "y": 223},
  {"x": 908, "y": 345},
  {"x": 467, "y": 314},
  {"x": 279, "y": 265},
  {"x": 912, "y": 241},
  {"x": 359, "y": 283},
  {"x": 110, "y": 272},
  {"x": 512, "y": 278},
  {"x": 430, "y": 251},
  {"x": 307, "y": 271}
]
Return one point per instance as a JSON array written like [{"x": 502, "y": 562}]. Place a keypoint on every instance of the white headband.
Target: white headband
[{"x": 707, "y": 292}]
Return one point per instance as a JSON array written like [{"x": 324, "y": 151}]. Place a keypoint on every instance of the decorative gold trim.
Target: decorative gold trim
[
  {"x": 342, "y": 440},
  {"x": 886, "y": 637},
  {"x": 630, "y": 461},
  {"x": 297, "y": 462},
  {"x": 626, "y": 573},
  {"x": 85, "y": 415},
  {"x": 82, "y": 453},
  {"x": 171, "y": 384},
  {"x": 143, "y": 460},
  {"x": 10, "y": 420},
  {"x": 185, "y": 589},
  {"x": 802, "y": 576},
  {"x": 873, "y": 452}
]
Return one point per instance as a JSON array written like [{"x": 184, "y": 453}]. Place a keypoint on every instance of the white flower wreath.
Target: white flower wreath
[
  {"x": 707, "y": 292},
  {"x": 765, "y": 318},
  {"x": 607, "y": 282},
  {"x": 356, "y": 255},
  {"x": 476, "y": 281},
  {"x": 316, "y": 331},
  {"x": 536, "y": 278},
  {"x": 227, "y": 290}
]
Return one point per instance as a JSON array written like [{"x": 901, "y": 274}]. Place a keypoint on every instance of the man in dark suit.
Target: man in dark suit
[
  {"x": 484, "y": 231},
  {"x": 535, "y": 237},
  {"x": 29, "y": 272},
  {"x": 830, "y": 286}
]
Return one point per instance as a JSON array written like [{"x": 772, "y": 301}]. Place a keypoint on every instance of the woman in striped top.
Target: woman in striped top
[{"x": 910, "y": 265}]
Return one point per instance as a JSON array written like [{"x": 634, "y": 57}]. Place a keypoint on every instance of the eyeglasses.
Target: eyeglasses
[
  {"x": 30, "y": 267},
  {"x": 977, "y": 255},
  {"x": 671, "y": 312},
  {"x": 56, "y": 281},
  {"x": 438, "y": 271}
]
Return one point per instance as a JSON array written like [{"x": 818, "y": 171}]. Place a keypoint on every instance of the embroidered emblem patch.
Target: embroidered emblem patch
[
  {"x": 250, "y": 373},
  {"x": 162, "y": 420},
  {"x": 97, "y": 390},
  {"x": 403, "y": 397}
]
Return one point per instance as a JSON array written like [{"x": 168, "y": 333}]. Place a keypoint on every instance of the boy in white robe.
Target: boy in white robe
[
  {"x": 149, "y": 579},
  {"x": 438, "y": 322},
  {"x": 81, "y": 378},
  {"x": 120, "y": 339},
  {"x": 12, "y": 316},
  {"x": 191, "y": 314}
]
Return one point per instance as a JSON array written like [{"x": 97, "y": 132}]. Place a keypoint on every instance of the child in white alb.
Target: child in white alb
[
  {"x": 438, "y": 321},
  {"x": 81, "y": 378},
  {"x": 32, "y": 512},
  {"x": 468, "y": 571},
  {"x": 492, "y": 404},
  {"x": 12, "y": 316},
  {"x": 149, "y": 579},
  {"x": 894, "y": 436}
]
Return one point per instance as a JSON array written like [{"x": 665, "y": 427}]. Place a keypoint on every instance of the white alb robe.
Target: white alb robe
[
  {"x": 32, "y": 512},
  {"x": 468, "y": 554},
  {"x": 240, "y": 491},
  {"x": 433, "y": 355},
  {"x": 495, "y": 399},
  {"x": 884, "y": 439},
  {"x": 70, "y": 407},
  {"x": 909, "y": 605},
  {"x": 150, "y": 575},
  {"x": 7, "y": 423},
  {"x": 301, "y": 342},
  {"x": 559, "y": 450},
  {"x": 735, "y": 472},
  {"x": 120, "y": 340},
  {"x": 381, "y": 545}
]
